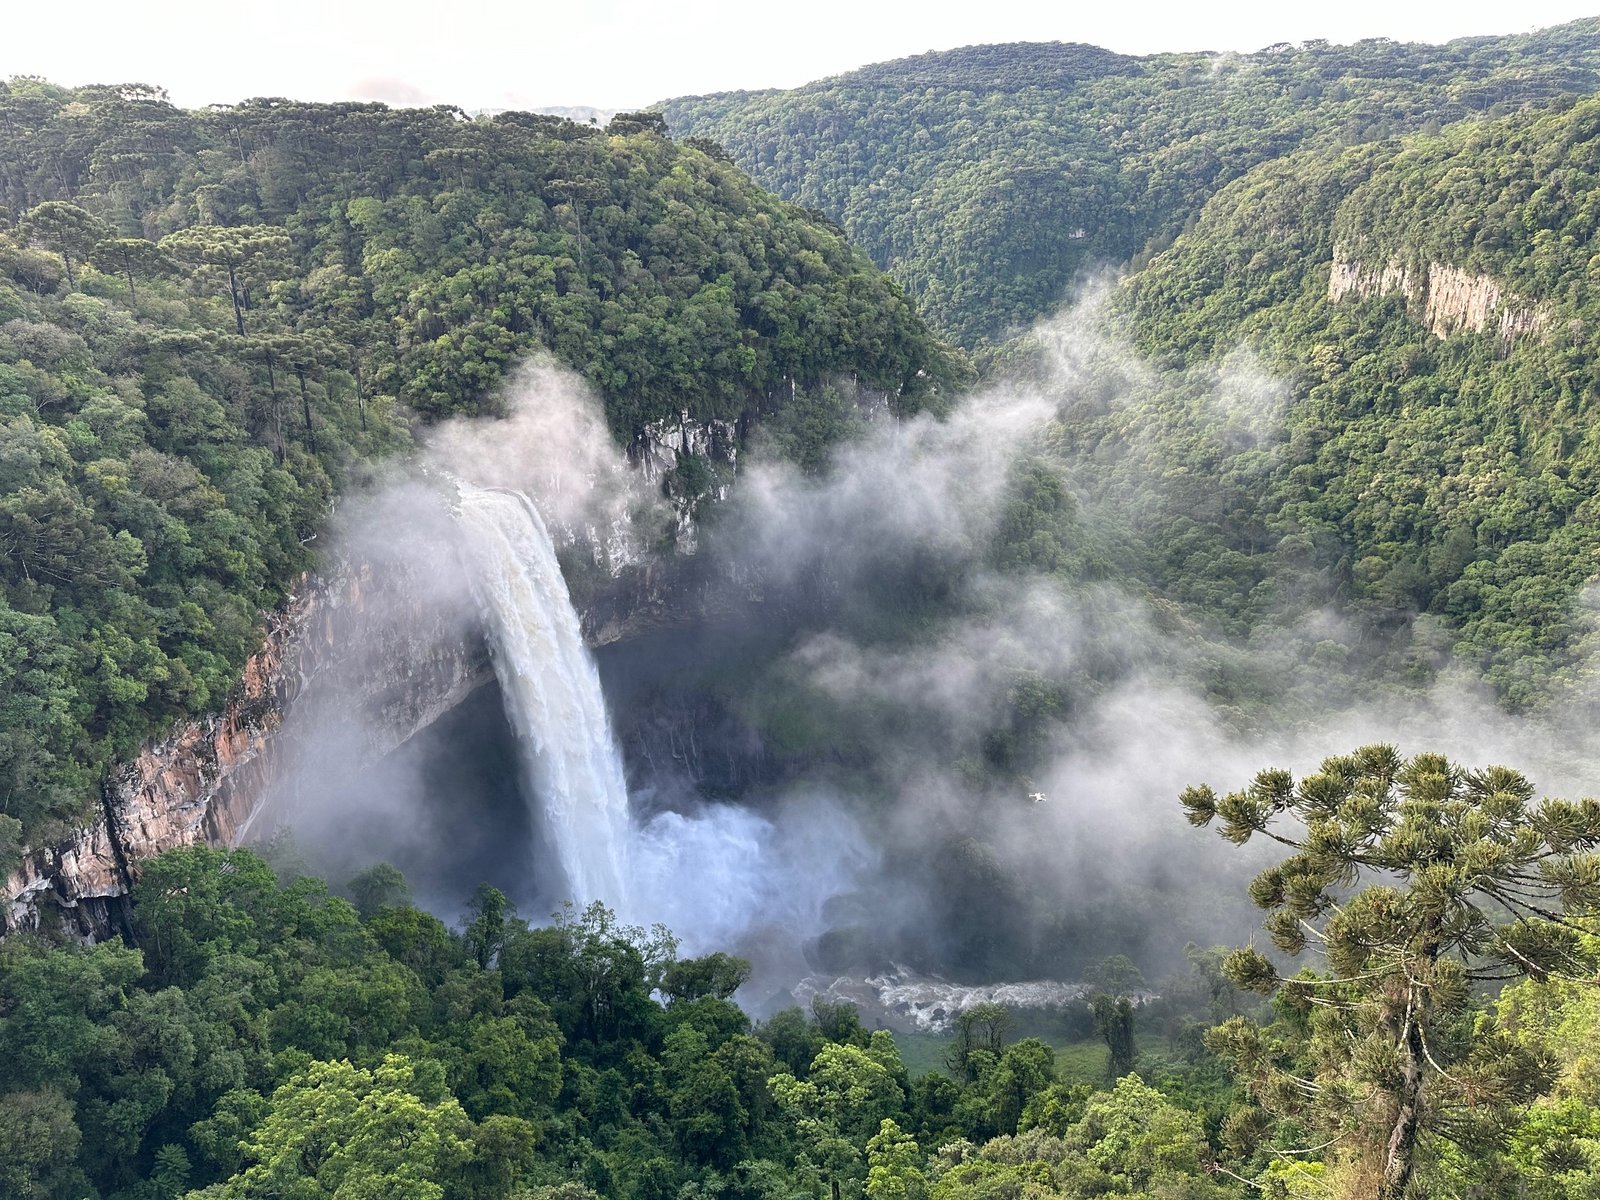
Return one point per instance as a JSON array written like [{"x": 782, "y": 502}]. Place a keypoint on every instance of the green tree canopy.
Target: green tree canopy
[
  {"x": 65, "y": 228},
  {"x": 1411, "y": 879}
]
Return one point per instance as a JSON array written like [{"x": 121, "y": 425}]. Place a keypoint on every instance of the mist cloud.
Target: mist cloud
[
  {"x": 1126, "y": 680},
  {"x": 1001, "y": 747}
]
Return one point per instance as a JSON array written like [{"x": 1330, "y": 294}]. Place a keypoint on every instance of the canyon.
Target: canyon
[{"x": 372, "y": 640}]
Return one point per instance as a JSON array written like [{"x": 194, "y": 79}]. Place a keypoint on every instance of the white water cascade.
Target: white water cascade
[{"x": 552, "y": 690}]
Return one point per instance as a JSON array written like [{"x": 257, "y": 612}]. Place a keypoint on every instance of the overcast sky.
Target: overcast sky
[{"x": 628, "y": 53}]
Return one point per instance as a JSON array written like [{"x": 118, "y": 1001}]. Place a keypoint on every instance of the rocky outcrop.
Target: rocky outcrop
[
  {"x": 197, "y": 784},
  {"x": 1448, "y": 300},
  {"x": 664, "y": 446},
  {"x": 1350, "y": 277},
  {"x": 206, "y": 780}
]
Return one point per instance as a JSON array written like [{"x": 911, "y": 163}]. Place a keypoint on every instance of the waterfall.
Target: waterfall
[{"x": 552, "y": 691}]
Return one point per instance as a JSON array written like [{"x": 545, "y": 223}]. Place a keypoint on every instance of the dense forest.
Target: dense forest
[
  {"x": 1423, "y": 458},
  {"x": 257, "y": 1036},
  {"x": 1322, "y": 439},
  {"x": 210, "y": 321},
  {"x": 986, "y": 179},
  {"x": 1331, "y": 435}
]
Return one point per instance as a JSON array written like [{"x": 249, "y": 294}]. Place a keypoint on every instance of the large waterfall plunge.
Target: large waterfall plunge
[{"x": 552, "y": 691}]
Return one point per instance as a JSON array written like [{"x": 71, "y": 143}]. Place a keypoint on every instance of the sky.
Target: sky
[{"x": 611, "y": 54}]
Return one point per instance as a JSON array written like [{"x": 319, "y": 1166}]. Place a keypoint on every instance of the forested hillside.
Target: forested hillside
[
  {"x": 1430, "y": 305},
  {"x": 1374, "y": 345},
  {"x": 259, "y": 1037},
  {"x": 985, "y": 179},
  {"x": 1338, "y": 424},
  {"x": 209, "y": 321},
  {"x": 269, "y": 1040}
]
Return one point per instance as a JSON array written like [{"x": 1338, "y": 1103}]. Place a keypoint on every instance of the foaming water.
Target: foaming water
[
  {"x": 902, "y": 999},
  {"x": 716, "y": 874},
  {"x": 719, "y": 874},
  {"x": 552, "y": 692}
]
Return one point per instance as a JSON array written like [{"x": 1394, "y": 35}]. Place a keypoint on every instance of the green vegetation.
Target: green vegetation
[
  {"x": 260, "y": 1037},
  {"x": 264, "y": 1039},
  {"x": 209, "y": 321},
  {"x": 1392, "y": 1052},
  {"x": 1395, "y": 471},
  {"x": 985, "y": 179}
]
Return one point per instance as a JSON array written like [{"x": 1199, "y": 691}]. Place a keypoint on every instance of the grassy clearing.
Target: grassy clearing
[
  {"x": 1076, "y": 1061},
  {"x": 1081, "y": 1061}
]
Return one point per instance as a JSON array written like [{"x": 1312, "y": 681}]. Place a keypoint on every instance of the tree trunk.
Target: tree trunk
[
  {"x": 361, "y": 402},
  {"x": 1399, "y": 1160},
  {"x": 277, "y": 407},
  {"x": 305, "y": 408},
  {"x": 67, "y": 259},
  {"x": 133, "y": 296},
  {"x": 238, "y": 313},
  {"x": 1400, "y": 1156}
]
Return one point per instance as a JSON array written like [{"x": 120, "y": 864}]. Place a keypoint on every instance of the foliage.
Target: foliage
[
  {"x": 339, "y": 1130},
  {"x": 178, "y": 284},
  {"x": 1414, "y": 878},
  {"x": 1113, "y": 1019},
  {"x": 986, "y": 179},
  {"x": 265, "y": 1039},
  {"x": 1386, "y": 454}
]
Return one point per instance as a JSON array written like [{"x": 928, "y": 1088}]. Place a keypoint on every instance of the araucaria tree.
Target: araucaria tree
[{"x": 1411, "y": 879}]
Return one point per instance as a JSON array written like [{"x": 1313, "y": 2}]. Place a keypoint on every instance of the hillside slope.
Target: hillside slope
[
  {"x": 174, "y": 418},
  {"x": 1432, "y": 307},
  {"x": 985, "y": 179}
]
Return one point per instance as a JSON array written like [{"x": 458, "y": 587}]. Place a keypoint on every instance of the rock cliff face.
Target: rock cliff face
[
  {"x": 197, "y": 784},
  {"x": 205, "y": 781},
  {"x": 382, "y": 634},
  {"x": 621, "y": 584},
  {"x": 1449, "y": 300}
]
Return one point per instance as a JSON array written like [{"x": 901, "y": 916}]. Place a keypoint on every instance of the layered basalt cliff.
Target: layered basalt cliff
[
  {"x": 206, "y": 780},
  {"x": 199, "y": 783},
  {"x": 1444, "y": 298}
]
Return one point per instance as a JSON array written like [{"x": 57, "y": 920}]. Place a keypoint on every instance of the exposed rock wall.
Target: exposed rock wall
[
  {"x": 662, "y": 445},
  {"x": 1350, "y": 277},
  {"x": 204, "y": 782},
  {"x": 197, "y": 784},
  {"x": 1449, "y": 300},
  {"x": 382, "y": 634},
  {"x": 665, "y": 445}
]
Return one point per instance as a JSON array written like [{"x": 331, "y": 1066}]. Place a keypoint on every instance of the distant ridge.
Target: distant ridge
[
  {"x": 1002, "y": 66},
  {"x": 987, "y": 179}
]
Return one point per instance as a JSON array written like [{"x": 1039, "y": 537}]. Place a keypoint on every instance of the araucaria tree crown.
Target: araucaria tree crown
[{"x": 1412, "y": 880}]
